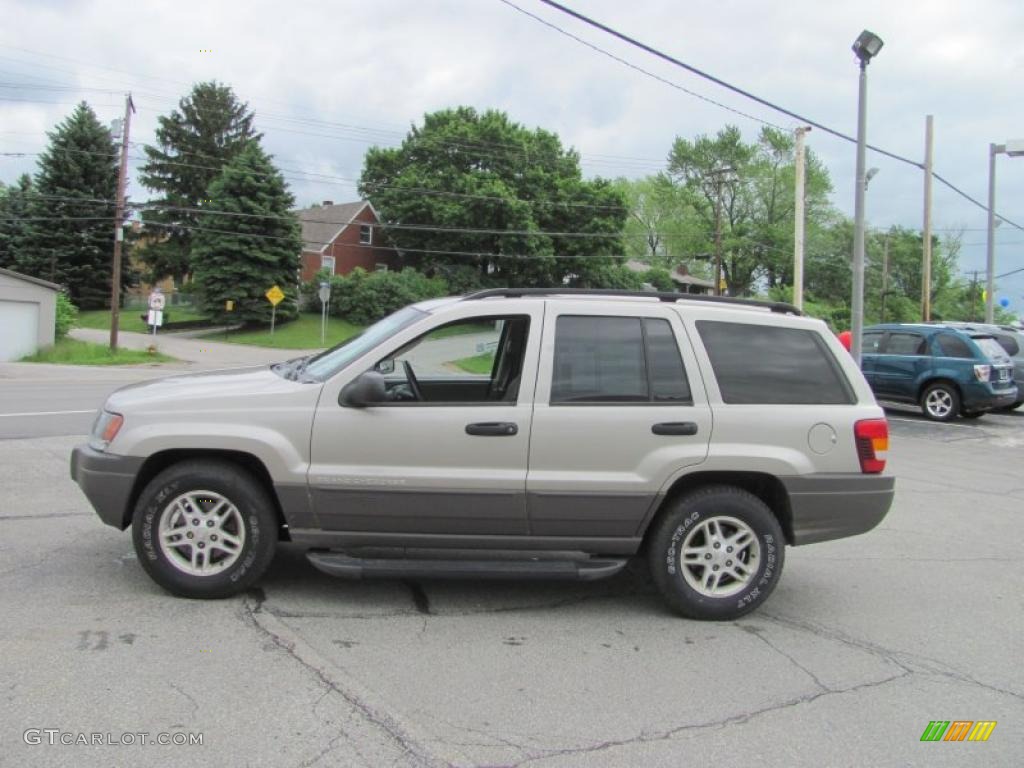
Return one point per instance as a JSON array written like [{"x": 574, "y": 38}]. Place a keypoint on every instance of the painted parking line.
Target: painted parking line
[
  {"x": 44, "y": 413},
  {"x": 932, "y": 423}
]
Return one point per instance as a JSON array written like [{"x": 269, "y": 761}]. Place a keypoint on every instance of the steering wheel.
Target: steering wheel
[{"x": 414, "y": 384}]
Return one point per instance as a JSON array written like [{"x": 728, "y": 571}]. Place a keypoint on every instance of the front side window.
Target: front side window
[
  {"x": 617, "y": 360},
  {"x": 769, "y": 365},
  {"x": 870, "y": 342},
  {"x": 905, "y": 344},
  {"x": 476, "y": 360}
]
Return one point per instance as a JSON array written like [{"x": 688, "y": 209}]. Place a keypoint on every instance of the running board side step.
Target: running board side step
[{"x": 347, "y": 567}]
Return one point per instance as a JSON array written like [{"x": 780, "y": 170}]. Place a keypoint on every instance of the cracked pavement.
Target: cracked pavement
[{"x": 863, "y": 642}]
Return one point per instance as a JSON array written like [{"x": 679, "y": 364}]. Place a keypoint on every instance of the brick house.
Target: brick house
[{"x": 341, "y": 238}]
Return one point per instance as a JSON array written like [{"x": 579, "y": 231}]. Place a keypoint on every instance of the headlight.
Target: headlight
[
  {"x": 983, "y": 372},
  {"x": 105, "y": 429}
]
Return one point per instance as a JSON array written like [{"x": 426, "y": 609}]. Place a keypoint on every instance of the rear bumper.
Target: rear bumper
[
  {"x": 984, "y": 397},
  {"x": 107, "y": 482},
  {"x": 826, "y": 507}
]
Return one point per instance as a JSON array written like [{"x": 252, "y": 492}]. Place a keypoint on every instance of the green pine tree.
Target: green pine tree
[
  {"x": 194, "y": 143},
  {"x": 14, "y": 202},
  {"x": 69, "y": 235},
  {"x": 239, "y": 257}
]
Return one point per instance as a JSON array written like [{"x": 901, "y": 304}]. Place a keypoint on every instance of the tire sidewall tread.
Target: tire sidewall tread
[
  {"x": 239, "y": 487},
  {"x": 680, "y": 518}
]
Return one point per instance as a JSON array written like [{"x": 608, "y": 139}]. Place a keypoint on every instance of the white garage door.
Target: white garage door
[{"x": 19, "y": 324}]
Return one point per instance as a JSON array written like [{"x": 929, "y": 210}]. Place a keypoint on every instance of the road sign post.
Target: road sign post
[
  {"x": 275, "y": 295},
  {"x": 157, "y": 302},
  {"x": 325, "y": 298}
]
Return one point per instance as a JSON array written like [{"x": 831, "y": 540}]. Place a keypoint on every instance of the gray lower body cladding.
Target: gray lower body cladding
[
  {"x": 107, "y": 482},
  {"x": 826, "y": 507}
]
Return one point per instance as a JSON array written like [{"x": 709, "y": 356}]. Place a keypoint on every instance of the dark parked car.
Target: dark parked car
[
  {"x": 949, "y": 372},
  {"x": 1012, "y": 340}
]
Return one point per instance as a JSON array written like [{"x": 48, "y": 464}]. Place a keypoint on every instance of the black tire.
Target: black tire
[
  {"x": 944, "y": 394},
  {"x": 255, "y": 514},
  {"x": 684, "y": 520}
]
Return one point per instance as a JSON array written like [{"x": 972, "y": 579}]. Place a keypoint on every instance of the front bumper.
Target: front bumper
[
  {"x": 834, "y": 506},
  {"x": 107, "y": 481}
]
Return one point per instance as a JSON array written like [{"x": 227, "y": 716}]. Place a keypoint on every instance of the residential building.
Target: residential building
[{"x": 341, "y": 238}]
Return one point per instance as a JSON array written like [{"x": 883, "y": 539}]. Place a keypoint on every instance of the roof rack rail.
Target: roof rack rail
[{"x": 666, "y": 296}]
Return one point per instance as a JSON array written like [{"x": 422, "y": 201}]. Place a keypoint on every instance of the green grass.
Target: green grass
[
  {"x": 481, "y": 364},
  {"x": 131, "y": 319},
  {"x": 303, "y": 333},
  {"x": 73, "y": 352}
]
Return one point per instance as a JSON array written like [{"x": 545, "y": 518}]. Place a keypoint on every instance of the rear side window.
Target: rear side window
[
  {"x": 617, "y": 360},
  {"x": 949, "y": 345},
  {"x": 668, "y": 379},
  {"x": 763, "y": 364},
  {"x": 906, "y": 344}
]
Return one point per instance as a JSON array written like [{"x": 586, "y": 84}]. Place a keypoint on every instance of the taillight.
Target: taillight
[{"x": 872, "y": 437}]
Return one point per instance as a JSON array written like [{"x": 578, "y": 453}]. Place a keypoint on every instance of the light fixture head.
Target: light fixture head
[
  {"x": 870, "y": 174},
  {"x": 1015, "y": 147},
  {"x": 866, "y": 46}
]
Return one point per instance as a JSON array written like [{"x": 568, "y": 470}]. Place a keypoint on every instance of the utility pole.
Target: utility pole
[
  {"x": 885, "y": 275},
  {"x": 974, "y": 297},
  {"x": 122, "y": 177},
  {"x": 718, "y": 174},
  {"x": 926, "y": 260},
  {"x": 798, "y": 226}
]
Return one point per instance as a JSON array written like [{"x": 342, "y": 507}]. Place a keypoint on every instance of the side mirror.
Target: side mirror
[
  {"x": 386, "y": 366},
  {"x": 366, "y": 389}
]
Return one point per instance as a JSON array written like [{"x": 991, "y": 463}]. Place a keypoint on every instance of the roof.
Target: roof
[
  {"x": 321, "y": 224},
  {"x": 29, "y": 279}
]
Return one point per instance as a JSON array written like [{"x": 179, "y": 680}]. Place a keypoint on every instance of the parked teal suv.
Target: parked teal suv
[{"x": 948, "y": 372}]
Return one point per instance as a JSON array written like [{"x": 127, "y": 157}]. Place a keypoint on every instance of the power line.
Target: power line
[
  {"x": 631, "y": 65},
  {"x": 747, "y": 94}
]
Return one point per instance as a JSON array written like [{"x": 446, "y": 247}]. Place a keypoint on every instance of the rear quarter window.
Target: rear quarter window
[{"x": 769, "y": 365}]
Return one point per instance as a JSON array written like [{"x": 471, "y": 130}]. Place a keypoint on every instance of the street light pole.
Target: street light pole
[
  {"x": 857, "y": 303},
  {"x": 866, "y": 46},
  {"x": 990, "y": 248}
]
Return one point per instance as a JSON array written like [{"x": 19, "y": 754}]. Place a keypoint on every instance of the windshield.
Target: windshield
[
  {"x": 990, "y": 347},
  {"x": 328, "y": 363}
]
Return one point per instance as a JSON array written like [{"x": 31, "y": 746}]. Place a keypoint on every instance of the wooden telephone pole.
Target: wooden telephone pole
[{"x": 122, "y": 178}]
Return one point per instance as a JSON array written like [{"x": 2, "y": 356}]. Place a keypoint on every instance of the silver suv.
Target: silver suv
[{"x": 508, "y": 434}]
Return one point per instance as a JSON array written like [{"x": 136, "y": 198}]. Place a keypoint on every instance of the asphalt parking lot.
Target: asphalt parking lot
[{"x": 864, "y": 642}]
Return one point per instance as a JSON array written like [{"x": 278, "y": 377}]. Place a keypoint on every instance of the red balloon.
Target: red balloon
[{"x": 846, "y": 339}]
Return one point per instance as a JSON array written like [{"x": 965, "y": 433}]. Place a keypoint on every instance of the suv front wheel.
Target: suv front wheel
[
  {"x": 204, "y": 529},
  {"x": 716, "y": 553}
]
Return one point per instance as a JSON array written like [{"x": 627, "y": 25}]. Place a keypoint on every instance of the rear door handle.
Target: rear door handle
[
  {"x": 492, "y": 429},
  {"x": 675, "y": 428}
]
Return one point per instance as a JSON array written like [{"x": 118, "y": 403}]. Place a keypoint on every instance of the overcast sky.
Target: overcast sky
[{"x": 327, "y": 79}]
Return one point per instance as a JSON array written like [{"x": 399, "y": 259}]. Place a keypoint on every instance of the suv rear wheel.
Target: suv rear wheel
[
  {"x": 940, "y": 402},
  {"x": 204, "y": 530},
  {"x": 717, "y": 553}
]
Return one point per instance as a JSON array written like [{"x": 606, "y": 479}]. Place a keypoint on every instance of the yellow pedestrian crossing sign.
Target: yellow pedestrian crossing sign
[{"x": 275, "y": 295}]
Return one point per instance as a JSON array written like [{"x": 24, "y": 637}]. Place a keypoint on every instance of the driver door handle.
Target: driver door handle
[
  {"x": 675, "y": 428},
  {"x": 492, "y": 429}
]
